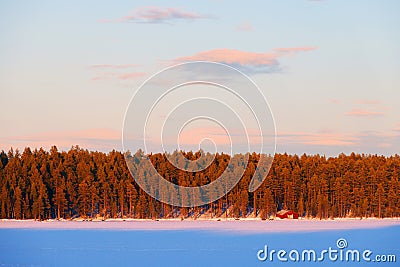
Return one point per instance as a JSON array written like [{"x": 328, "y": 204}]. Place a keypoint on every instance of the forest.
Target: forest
[{"x": 39, "y": 184}]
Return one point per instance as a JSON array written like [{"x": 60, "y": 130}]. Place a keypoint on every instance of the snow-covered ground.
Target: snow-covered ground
[
  {"x": 189, "y": 243},
  {"x": 213, "y": 225}
]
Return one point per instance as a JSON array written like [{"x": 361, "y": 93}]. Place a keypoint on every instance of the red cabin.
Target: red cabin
[{"x": 287, "y": 214}]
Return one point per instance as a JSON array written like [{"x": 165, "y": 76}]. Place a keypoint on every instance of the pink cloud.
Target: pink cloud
[
  {"x": 153, "y": 15},
  {"x": 244, "y": 27},
  {"x": 231, "y": 56},
  {"x": 250, "y": 62},
  {"x": 295, "y": 49},
  {"x": 357, "y": 112},
  {"x": 132, "y": 75}
]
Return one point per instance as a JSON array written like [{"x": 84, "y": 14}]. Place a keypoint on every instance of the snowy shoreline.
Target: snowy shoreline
[{"x": 255, "y": 226}]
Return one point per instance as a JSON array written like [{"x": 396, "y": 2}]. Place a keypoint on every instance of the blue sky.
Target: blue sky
[{"x": 329, "y": 69}]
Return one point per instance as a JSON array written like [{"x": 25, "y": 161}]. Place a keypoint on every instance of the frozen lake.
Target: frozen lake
[{"x": 189, "y": 243}]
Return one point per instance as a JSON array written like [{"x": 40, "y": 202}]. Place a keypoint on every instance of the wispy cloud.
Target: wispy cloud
[
  {"x": 118, "y": 76},
  {"x": 249, "y": 62},
  {"x": 111, "y": 66},
  {"x": 94, "y": 139},
  {"x": 158, "y": 15},
  {"x": 335, "y": 101},
  {"x": 358, "y": 112},
  {"x": 324, "y": 138},
  {"x": 333, "y": 142},
  {"x": 118, "y": 71},
  {"x": 329, "y": 142},
  {"x": 285, "y": 50},
  {"x": 219, "y": 136},
  {"x": 231, "y": 56},
  {"x": 244, "y": 27},
  {"x": 131, "y": 75},
  {"x": 368, "y": 102}
]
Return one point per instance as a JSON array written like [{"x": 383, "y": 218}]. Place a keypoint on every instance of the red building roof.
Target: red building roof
[{"x": 287, "y": 214}]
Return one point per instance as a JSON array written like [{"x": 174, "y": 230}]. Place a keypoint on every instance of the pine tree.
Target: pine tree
[
  {"x": 84, "y": 199},
  {"x": 18, "y": 204},
  {"x": 379, "y": 196},
  {"x": 244, "y": 202}
]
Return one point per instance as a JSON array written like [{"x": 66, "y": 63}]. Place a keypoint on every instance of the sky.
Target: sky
[{"x": 329, "y": 70}]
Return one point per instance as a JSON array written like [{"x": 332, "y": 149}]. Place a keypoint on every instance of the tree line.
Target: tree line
[{"x": 39, "y": 184}]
